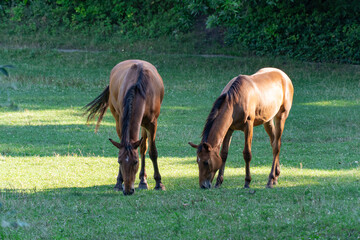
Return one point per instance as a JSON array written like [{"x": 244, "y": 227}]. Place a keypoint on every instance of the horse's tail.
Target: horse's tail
[{"x": 98, "y": 106}]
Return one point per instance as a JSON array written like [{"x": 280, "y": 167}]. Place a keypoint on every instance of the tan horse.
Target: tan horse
[
  {"x": 134, "y": 95},
  {"x": 245, "y": 102}
]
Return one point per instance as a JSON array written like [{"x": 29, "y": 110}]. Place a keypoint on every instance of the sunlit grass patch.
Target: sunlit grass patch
[
  {"x": 73, "y": 171},
  {"x": 174, "y": 108},
  {"x": 334, "y": 103},
  {"x": 69, "y": 116},
  {"x": 56, "y": 172}
]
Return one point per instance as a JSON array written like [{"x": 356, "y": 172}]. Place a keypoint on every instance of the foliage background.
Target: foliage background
[{"x": 319, "y": 30}]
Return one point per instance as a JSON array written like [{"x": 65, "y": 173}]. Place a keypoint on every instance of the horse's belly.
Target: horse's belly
[{"x": 265, "y": 113}]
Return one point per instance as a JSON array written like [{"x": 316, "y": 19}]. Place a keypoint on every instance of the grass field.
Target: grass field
[{"x": 57, "y": 175}]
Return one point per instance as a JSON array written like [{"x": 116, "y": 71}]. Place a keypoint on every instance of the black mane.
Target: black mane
[
  {"x": 232, "y": 95},
  {"x": 234, "y": 90},
  {"x": 140, "y": 88},
  {"x": 212, "y": 116}
]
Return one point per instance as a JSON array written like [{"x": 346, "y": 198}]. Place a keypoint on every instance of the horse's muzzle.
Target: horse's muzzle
[
  {"x": 131, "y": 192},
  {"x": 206, "y": 184}
]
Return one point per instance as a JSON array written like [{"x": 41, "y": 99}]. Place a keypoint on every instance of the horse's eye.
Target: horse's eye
[
  {"x": 206, "y": 163},
  {"x": 136, "y": 162}
]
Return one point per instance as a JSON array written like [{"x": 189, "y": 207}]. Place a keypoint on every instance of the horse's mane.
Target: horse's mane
[
  {"x": 140, "y": 88},
  {"x": 231, "y": 95},
  {"x": 212, "y": 116},
  {"x": 234, "y": 90}
]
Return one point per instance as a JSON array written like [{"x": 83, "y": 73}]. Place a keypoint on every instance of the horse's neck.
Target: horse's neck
[{"x": 220, "y": 126}]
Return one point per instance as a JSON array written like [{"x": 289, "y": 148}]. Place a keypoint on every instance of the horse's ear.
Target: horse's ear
[
  {"x": 136, "y": 144},
  {"x": 116, "y": 144},
  {"x": 193, "y": 145},
  {"x": 207, "y": 146}
]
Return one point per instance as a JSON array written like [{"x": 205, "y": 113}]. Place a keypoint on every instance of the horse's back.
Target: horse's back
[
  {"x": 269, "y": 79},
  {"x": 125, "y": 74},
  {"x": 261, "y": 96},
  {"x": 275, "y": 91},
  {"x": 120, "y": 76}
]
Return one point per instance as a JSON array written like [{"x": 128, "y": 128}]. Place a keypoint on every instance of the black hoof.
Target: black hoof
[
  {"x": 143, "y": 186},
  {"x": 252, "y": 191},
  {"x": 247, "y": 185},
  {"x": 118, "y": 187},
  {"x": 271, "y": 183},
  {"x": 160, "y": 186}
]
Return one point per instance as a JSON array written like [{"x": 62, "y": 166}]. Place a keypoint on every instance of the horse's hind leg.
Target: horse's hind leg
[
  {"x": 143, "y": 147},
  {"x": 248, "y": 132},
  {"x": 270, "y": 130},
  {"x": 224, "y": 153},
  {"x": 275, "y": 169},
  {"x": 154, "y": 155}
]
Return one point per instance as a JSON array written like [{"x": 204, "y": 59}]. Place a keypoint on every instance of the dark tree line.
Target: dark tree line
[{"x": 315, "y": 30}]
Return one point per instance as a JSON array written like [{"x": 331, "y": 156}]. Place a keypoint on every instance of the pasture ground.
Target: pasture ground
[{"x": 57, "y": 175}]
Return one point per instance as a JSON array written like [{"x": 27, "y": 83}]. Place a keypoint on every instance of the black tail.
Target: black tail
[{"x": 98, "y": 106}]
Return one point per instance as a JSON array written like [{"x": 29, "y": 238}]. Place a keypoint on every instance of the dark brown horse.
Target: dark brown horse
[
  {"x": 134, "y": 96},
  {"x": 245, "y": 102}
]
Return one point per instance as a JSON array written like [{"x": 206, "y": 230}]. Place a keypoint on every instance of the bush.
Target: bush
[
  {"x": 318, "y": 30},
  {"x": 313, "y": 30},
  {"x": 131, "y": 18}
]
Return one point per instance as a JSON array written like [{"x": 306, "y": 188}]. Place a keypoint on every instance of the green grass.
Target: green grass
[{"x": 56, "y": 174}]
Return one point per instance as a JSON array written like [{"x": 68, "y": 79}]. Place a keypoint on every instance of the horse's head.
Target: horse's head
[
  {"x": 129, "y": 164},
  {"x": 209, "y": 161}
]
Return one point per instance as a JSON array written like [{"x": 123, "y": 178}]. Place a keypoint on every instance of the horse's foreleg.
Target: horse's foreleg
[
  {"x": 154, "y": 155},
  {"x": 275, "y": 169},
  {"x": 223, "y": 154},
  {"x": 248, "y": 132},
  {"x": 143, "y": 147},
  {"x": 119, "y": 181}
]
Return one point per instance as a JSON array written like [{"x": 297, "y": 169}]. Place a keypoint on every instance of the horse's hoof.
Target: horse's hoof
[
  {"x": 252, "y": 191},
  {"x": 160, "y": 187},
  {"x": 143, "y": 186},
  {"x": 118, "y": 187},
  {"x": 217, "y": 185},
  {"x": 269, "y": 185}
]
